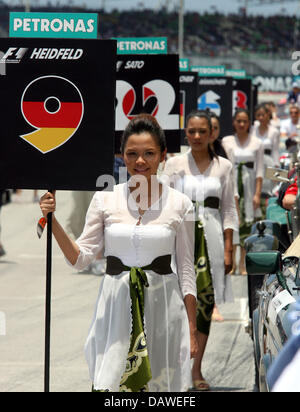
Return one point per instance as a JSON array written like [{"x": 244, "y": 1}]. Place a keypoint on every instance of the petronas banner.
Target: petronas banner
[
  {"x": 53, "y": 25},
  {"x": 142, "y": 45}
]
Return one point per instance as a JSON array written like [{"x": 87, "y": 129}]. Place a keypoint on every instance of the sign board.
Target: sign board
[
  {"x": 57, "y": 113},
  {"x": 214, "y": 71},
  {"x": 149, "y": 84},
  {"x": 188, "y": 98},
  {"x": 53, "y": 25},
  {"x": 215, "y": 94},
  {"x": 242, "y": 95},
  {"x": 142, "y": 45}
]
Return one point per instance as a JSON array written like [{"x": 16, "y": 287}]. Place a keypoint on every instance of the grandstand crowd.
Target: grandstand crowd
[{"x": 208, "y": 34}]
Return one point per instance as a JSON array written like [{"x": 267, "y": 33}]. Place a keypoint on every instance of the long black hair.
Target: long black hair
[
  {"x": 202, "y": 114},
  {"x": 217, "y": 144}
]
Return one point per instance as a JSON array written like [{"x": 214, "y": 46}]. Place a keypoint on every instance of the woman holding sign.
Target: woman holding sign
[
  {"x": 206, "y": 178},
  {"x": 247, "y": 154},
  {"x": 143, "y": 332}
]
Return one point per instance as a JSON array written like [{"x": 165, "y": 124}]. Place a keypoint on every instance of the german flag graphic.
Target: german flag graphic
[
  {"x": 182, "y": 108},
  {"x": 54, "y": 106}
]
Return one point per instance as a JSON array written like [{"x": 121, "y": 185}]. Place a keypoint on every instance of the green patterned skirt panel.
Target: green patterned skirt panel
[{"x": 205, "y": 291}]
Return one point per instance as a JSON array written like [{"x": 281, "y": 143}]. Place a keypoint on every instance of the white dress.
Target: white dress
[
  {"x": 270, "y": 141},
  {"x": 167, "y": 227},
  {"x": 216, "y": 181},
  {"x": 288, "y": 128},
  {"x": 251, "y": 151}
]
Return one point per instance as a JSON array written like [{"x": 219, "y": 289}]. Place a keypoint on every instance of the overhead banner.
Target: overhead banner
[
  {"x": 142, "y": 45},
  {"x": 57, "y": 110},
  {"x": 215, "y": 94},
  {"x": 273, "y": 83},
  {"x": 188, "y": 98},
  {"x": 236, "y": 73},
  {"x": 209, "y": 71},
  {"x": 149, "y": 84},
  {"x": 184, "y": 65},
  {"x": 53, "y": 25}
]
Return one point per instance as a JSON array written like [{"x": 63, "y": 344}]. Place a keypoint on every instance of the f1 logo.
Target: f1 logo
[{"x": 14, "y": 53}]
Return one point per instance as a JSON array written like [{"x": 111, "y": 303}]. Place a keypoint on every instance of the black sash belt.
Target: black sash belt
[
  {"x": 268, "y": 152},
  {"x": 212, "y": 202},
  {"x": 160, "y": 265},
  {"x": 250, "y": 165}
]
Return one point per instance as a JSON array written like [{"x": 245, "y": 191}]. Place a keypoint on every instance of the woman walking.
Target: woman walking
[
  {"x": 269, "y": 137},
  {"x": 207, "y": 180},
  {"x": 246, "y": 153}
]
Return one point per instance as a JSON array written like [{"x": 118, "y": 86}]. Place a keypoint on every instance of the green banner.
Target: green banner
[
  {"x": 236, "y": 73},
  {"x": 53, "y": 25},
  {"x": 184, "y": 65},
  {"x": 213, "y": 71},
  {"x": 142, "y": 45}
]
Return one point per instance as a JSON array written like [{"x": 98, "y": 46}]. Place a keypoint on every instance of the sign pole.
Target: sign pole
[{"x": 48, "y": 303}]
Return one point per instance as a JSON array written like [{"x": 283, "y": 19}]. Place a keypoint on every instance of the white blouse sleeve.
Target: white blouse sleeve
[
  {"x": 169, "y": 167},
  {"x": 230, "y": 155},
  {"x": 185, "y": 243},
  {"x": 275, "y": 151},
  {"x": 91, "y": 241},
  {"x": 260, "y": 161},
  {"x": 228, "y": 209}
]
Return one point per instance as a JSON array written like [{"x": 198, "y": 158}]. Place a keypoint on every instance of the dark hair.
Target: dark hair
[
  {"x": 271, "y": 103},
  {"x": 217, "y": 144},
  {"x": 213, "y": 115},
  {"x": 241, "y": 110},
  {"x": 144, "y": 123},
  {"x": 263, "y": 106},
  {"x": 289, "y": 143},
  {"x": 202, "y": 114}
]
